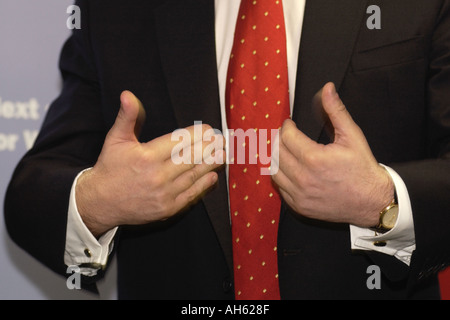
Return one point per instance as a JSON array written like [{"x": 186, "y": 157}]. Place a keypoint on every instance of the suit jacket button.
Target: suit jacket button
[{"x": 227, "y": 285}]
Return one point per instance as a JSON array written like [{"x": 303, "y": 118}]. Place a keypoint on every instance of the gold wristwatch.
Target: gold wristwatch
[{"x": 388, "y": 217}]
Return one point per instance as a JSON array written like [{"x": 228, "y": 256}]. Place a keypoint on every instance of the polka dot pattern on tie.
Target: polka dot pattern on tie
[{"x": 257, "y": 97}]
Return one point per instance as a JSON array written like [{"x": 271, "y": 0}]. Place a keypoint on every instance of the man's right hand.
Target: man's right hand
[{"x": 136, "y": 183}]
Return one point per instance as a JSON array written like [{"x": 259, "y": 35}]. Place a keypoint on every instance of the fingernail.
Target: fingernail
[{"x": 334, "y": 92}]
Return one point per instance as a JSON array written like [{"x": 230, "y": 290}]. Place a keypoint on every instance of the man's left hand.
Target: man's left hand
[{"x": 340, "y": 182}]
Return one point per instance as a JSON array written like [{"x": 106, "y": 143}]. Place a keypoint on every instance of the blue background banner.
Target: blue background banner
[{"x": 31, "y": 37}]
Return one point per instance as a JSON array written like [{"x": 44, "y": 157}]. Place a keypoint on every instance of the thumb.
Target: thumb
[
  {"x": 341, "y": 120},
  {"x": 130, "y": 118}
]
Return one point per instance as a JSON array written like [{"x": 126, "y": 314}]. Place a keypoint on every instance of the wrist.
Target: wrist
[
  {"x": 386, "y": 197},
  {"x": 375, "y": 199},
  {"x": 88, "y": 203}
]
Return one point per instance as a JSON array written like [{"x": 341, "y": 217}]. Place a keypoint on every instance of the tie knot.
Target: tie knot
[{"x": 261, "y": 11}]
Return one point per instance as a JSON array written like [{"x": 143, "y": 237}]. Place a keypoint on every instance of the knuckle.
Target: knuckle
[
  {"x": 145, "y": 159},
  {"x": 165, "y": 205},
  {"x": 302, "y": 181},
  {"x": 206, "y": 127},
  {"x": 191, "y": 195},
  {"x": 193, "y": 176},
  {"x": 341, "y": 107},
  {"x": 311, "y": 159},
  {"x": 307, "y": 185},
  {"x": 157, "y": 180},
  {"x": 167, "y": 209},
  {"x": 164, "y": 213}
]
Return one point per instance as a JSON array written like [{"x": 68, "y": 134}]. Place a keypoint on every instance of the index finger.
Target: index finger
[{"x": 180, "y": 139}]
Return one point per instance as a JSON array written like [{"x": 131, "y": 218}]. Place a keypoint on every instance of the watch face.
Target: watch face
[{"x": 390, "y": 217}]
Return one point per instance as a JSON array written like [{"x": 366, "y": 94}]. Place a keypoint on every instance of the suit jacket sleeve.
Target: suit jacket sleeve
[
  {"x": 428, "y": 181},
  {"x": 70, "y": 140}
]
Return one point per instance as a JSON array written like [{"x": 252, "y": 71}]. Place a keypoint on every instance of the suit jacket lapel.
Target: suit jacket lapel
[
  {"x": 186, "y": 39},
  {"x": 330, "y": 30}
]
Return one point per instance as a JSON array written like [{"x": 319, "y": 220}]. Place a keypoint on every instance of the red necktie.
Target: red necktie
[{"x": 257, "y": 101}]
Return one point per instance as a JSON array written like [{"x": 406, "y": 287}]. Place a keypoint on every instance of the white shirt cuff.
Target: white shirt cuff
[
  {"x": 401, "y": 240},
  {"x": 82, "y": 248}
]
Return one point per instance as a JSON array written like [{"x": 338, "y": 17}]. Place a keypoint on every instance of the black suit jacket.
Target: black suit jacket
[{"x": 394, "y": 81}]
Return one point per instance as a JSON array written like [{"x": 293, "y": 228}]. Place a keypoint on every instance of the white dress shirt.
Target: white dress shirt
[{"x": 83, "y": 248}]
